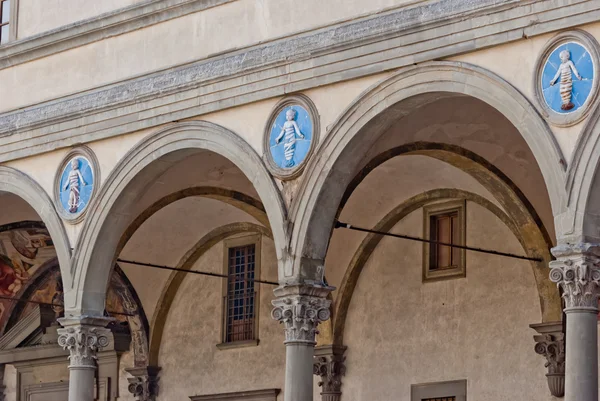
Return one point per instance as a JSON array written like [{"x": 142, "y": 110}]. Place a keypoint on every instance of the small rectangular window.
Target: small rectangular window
[
  {"x": 442, "y": 391},
  {"x": 240, "y": 294},
  {"x": 444, "y": 223},
  {"x": 4, "y": 21}
]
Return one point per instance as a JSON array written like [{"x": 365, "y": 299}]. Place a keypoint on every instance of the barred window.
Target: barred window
[
  {"x": 4, "y": 21},
  {"x": 240, "y": 316}
]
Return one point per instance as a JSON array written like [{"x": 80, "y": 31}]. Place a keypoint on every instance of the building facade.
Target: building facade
[{"x": 291, "y": 201}]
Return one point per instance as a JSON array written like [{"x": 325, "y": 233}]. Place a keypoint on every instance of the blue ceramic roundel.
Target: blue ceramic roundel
[
  {"x": 76, "y": 185},
  {"x": 567, "y": 78},
  {"x": 290, "y": 137}
]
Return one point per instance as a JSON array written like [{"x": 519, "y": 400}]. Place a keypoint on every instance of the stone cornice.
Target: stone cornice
[
  {"x": 109, "y": 24},
  {"x": 401, "y": 37}
]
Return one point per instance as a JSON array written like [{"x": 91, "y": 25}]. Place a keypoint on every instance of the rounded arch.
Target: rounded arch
[
  {"x": 581, "y": 220},
  {"x": 20, "y": 184},
  {"x": 108, "y": 215},
  {"x": 333, "y": 167},
  {"x": 175, "y": 279},
  {"x": 517, "y": 220}
]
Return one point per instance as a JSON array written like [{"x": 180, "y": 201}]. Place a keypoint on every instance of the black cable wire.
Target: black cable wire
[
  {"x": 132, "y": 262},
  {"x": 339, "y": 224},
  {"x": 28, "y": 301}
]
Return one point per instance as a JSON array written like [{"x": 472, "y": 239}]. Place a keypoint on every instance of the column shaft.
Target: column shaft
[
  {"x": 81, "y": 383},
  {"x": 581, "y": 380},
  {"x": 299, "y": 372},
  {"x": 577, "y": 272}
]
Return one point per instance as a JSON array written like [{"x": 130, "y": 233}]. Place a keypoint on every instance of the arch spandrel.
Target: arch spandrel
[
  {"x": 359, "y": 127},
  {"x": 109, "y": 214}
]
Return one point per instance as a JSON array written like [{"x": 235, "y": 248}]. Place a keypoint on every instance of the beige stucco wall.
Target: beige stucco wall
[
  {"x": 400, "y": 331},
  {"x": 192, "y": 364},
  {"x": 35, "y": 16}
]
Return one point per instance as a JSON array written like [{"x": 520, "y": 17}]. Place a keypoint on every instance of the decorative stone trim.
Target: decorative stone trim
[
  {"x": 253, "y": 395},
  {"x": 591, "y": 45},
  {"x": 550, "y": 343},
  {"x": 294, "y": 100},
  {"x": 330, "y": 367},
  {"x": 300, "y": 309},
  {"x": 81, "y": 153},
  {"x": 83, "y": 343},
  {"x": 577, "y": 272},
  {"x": 237, "y": 77},
  {"x": 144, "y": 383}
]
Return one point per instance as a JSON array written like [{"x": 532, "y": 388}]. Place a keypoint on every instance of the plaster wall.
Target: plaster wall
[
  {"x": 35, "y": 16},
  {"x": 166, "y": 237},
  {"x": 189, "y": 38},
  {"x": 192, "y": 364},
  {"x": 15, "y": 209},
  {"x": 400, "y": 331}
]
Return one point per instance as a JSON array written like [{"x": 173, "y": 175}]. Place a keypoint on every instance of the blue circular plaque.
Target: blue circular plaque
[
  {"x": 76, "y": 185},
  {"x": 567, "y": 78},
  {"x": 291, "y": 137}
]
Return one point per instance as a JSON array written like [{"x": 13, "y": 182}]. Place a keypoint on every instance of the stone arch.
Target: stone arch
[
  {"x": 187, "y": 262},
  {"x": 332, "y": 168},
  {"x": 107, "y": 220},
  {"x": 20, "y": 184},
  {"x": 549, "y": 302},
  {"x": 581, "y": 220}
]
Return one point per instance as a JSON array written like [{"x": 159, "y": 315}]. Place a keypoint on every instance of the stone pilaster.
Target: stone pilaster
[
  {"x": 144, "y": 383},
  {"x": 83, "y": 337},
  {"x": 576, "y": 271},
  {"x": 330, "y": 367},
  {"x": 300, "y": 308},
  {"x": 550, "y": 343}
]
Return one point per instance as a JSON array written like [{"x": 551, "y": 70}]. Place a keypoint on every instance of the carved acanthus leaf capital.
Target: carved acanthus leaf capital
[
  {"x": 144, "y": 383},
  {"x": 83, "y": 343},
  {"x": 577, "y": 272},
  {"x": 330, "y": 366},
  {"x": 301, "y": 314}
]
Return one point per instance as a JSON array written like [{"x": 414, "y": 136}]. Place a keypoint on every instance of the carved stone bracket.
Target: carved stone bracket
[
  {"x": 330, "y": 367},
  {"x": 550, "y": 343},
  {"x": 144, "y": 383},
  {"x": 577, "y": 272},
  {"x": 301, "y": 309},
  {"x": 83, "y": 340}
]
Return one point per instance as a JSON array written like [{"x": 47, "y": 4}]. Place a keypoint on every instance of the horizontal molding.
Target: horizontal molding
[
  {"x": 345, "y": 51},
  {"x": 110, "y": 24}
]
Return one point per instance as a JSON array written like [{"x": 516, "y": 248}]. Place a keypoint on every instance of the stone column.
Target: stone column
[
  {"x": 329, "y": 366},
  {"x": 144, "y": 383},
  {"x": 83, "y": 337},
  {"x": 300, "y": 308},
  {"x": 577, "y": 273},
  {"x": 550, "y": 343}
]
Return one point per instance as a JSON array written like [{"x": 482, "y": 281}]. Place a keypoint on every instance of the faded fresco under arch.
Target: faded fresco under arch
[{"x": 29, "y": 271}]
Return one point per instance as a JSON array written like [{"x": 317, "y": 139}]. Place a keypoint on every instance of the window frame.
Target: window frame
[
  {"x": 12, "y": 21},
  {"x": 437, "y": 209},
  {"x": 256, "y": 240},
  {"x": 455, "y": 388}
]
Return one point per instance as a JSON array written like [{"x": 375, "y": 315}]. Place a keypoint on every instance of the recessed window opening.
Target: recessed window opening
[
  {"x": 444, "y": 228},
  {"x": 241, "y": 295},
  {"x": 4, "y": 21}
]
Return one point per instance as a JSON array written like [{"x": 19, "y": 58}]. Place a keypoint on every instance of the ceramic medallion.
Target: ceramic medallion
[
  {"x": 290, "y": 136},
  {"x": 567, "y": 77},
  {"x": 75, "y": 184}
]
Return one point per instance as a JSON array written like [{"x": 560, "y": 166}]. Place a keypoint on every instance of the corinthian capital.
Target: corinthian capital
[
  {"x": 83, "y": 342},
  {"x": 577, "y": 272},
  {"x": 300, "y": 309},
  {"x": 330, "y": 366}
]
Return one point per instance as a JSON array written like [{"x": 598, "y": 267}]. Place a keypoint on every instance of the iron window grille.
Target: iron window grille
[{"x": 240, "y": 301}]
